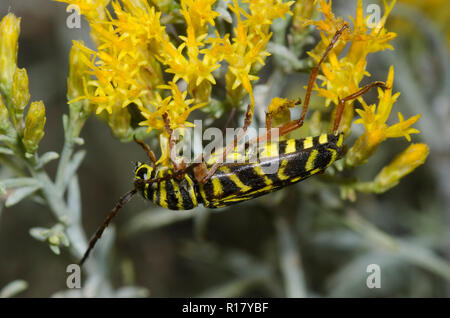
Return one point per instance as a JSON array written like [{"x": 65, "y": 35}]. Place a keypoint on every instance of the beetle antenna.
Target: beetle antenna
[{"x": 122, "y": 201}]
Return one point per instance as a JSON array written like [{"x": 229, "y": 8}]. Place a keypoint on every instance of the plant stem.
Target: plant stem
[{"x": 66, "y": 154}]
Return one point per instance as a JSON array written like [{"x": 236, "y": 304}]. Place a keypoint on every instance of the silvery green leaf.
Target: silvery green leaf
[
  {"x": 64, "y": 239},
  {"x": 74, "y": 199},
  {"x": 18, "y": 183},
  {"x": 79, "y": 141},
  {"x": 65, "y": 122},
  {"x": 46, "y": 158},
  {"x": 221, "y": 8},
  {"x": 13, "y": 288},
  {"x": 55, "y": 249},
  {"x": 104, "y": 248},
  {"x": 5, "y": 138},
  {"x": 72, "y": 167},
  {"x": 6, "y": 151},
  {"x": 40, "y": 233},
  {"x": 284, "y": 53},
  {"x": 64, "y": 220},
  {"x": 20, "y": 194},
  {"x": 156, "y": 218},
  {"x": 38, "y": 199}
]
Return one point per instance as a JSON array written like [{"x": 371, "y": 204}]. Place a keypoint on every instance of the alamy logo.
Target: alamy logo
[
  {"x": 73, "y": 21},
  {"x": 74, "y": 279},
  {"x": 374, "y": 278},
  {"x": 374, "y": 12}
]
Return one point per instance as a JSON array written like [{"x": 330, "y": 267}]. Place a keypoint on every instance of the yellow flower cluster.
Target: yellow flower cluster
[
  {"x": 134, "y": 50},
  {"x": 34, "y": 126},
  {"x": 135, "y": 55},
  {"x": 374, "y": 120},
  {"x": 342, "y": 76},
  {"x": 15, "y": 95},
  {"x": 248, "y": 46},
  {"x": 140, "y": 62},
  {"x": 9, "y": 35},
  {"x": 414, "y": 156}
]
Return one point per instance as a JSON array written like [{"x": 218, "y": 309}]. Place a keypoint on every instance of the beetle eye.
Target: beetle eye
[{"x": 142, "y": 173}]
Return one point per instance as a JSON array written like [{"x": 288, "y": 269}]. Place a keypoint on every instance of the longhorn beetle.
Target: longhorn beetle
[{"x": 218, "y": 184}]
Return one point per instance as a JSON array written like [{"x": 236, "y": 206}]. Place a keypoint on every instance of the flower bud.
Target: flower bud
[
  {"x": 34, "y": 126},
  {"x": 364, "y": 147},
  {"x": 9, "y": 35},
  {"x": 20, "y": 93},
  {"x": 54, "y": 240},
  {"x": 78, "y": 72},
  {"x": 119, "y": 122},
  {"x": 80, "y": 107},
  {"x": 405, "y": 163},
  {"x": 4, "y": 117}
]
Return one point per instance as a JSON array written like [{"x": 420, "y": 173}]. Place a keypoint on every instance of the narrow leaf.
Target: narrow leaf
[
  {"x": 20, "y": 194},
  {"x": 73, "y": 166},
  {"x": 74, "y": 199},
  {"x": 286, "y": 54},
  {"x": 6, "y": 151},
  {"x": 40, "y": 233},
  {"x": 221, "y": 8},
  {"x": 5, "y": 138},
  {"x": 13, "y": 288},
  {"x": 18, "y": 183},
  {"x": 55, "y": 249},
  {"x": 46, "y": 158}
]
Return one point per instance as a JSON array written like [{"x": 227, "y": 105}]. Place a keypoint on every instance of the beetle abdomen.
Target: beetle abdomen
[{"x": 279, "y": 164}]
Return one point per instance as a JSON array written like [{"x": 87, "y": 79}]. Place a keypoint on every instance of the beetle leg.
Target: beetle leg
[
  {"x": 299, "y": 122},
  {"x": 172, "y": 151},
  {"x": 229, "y": 120},
  {"x": 204, "y": 176},
  {"x": 340, "y": 108},
  {"x": 295, "y": 124},
  {"x": 150, "y": 154}
]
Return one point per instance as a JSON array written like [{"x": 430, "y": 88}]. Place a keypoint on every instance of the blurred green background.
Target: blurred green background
[{"x": 296, "y": 242}]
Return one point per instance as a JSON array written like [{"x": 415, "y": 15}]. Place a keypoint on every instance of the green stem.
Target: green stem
[
  {"x": 53, "y": 193},
  {"x": 66, "y": 155},
  {"x": 56, "y": 203}
]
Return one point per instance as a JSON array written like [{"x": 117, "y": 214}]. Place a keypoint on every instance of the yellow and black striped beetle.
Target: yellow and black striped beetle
[
  {"x": 231, "y": 183},
  {"x": 218, "y": 184}
]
